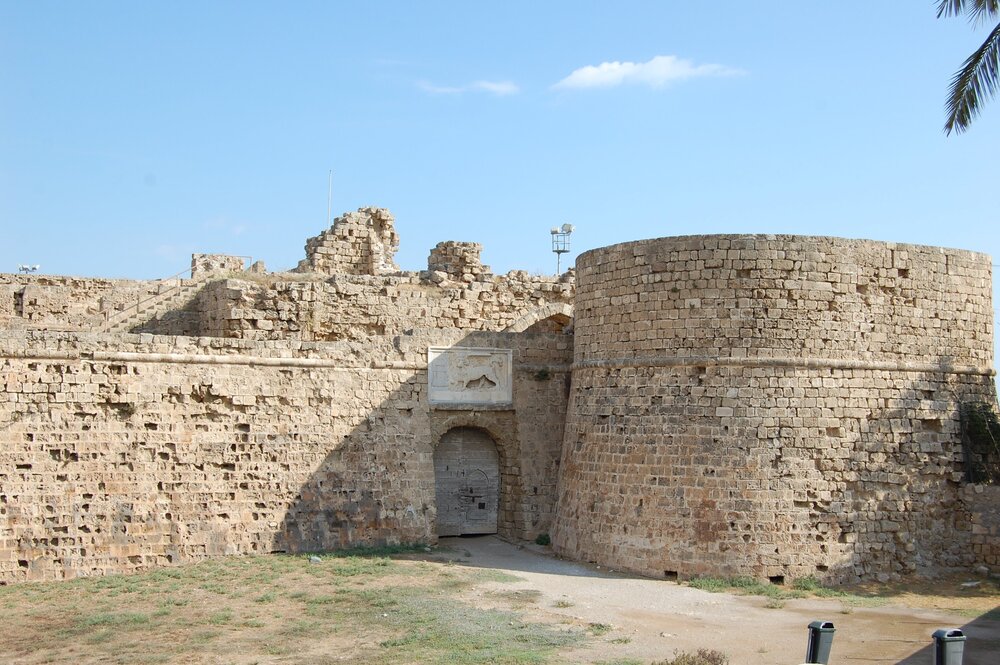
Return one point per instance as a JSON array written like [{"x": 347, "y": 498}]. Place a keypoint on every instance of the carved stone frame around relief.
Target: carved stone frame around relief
[{"x": 461, "y": 375}]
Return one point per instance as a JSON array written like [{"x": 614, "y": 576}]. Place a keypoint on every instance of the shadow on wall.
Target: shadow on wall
[
  {"x": 371, "y": 488},
  {"x": 376, "y": 484},
  {"x": 906, "y": 479},
  {"x": 168, "y": 319},
  {"x": 907, "y": 464},
  {"x": 981, "y": 646},
  {"x": 869, "y": 486}
]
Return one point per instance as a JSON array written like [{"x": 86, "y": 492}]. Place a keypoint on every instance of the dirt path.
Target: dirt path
[{"x": 650, "y": 619}]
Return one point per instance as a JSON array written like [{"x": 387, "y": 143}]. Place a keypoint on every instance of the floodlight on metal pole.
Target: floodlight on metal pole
[{"x": 560, "y": 242}]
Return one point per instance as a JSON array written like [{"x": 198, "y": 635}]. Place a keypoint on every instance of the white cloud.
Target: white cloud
[
  {"x": 499, "y": 88},
  {"x": 655, "y": 73}
]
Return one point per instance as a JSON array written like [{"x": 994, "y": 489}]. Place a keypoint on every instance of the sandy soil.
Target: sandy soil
[{"x": 650, "y": 619}]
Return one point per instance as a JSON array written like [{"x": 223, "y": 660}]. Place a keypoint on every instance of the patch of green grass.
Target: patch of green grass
[
  {"x": 745, "y": 586},
  {"x": 320, "y": 600},
  {"x": 599, "y": 628},
  {"x": 379, "y": 551},
  {"x": 203, "y": 637},
  {"x": 303, "y": 628},
  {"x": 436, "y": 628},
  {"x": 220, "y": 618},
  {"x": 814, "y": 587},
  {"x": 353, "y": 565},
  {"x": 712, "y": 584},
  {"x": 621, "y": 640},
  {"x": 116, "y": 619},
  {"x": 562, "y": 604},
  {"x": 215, "y": 587}
]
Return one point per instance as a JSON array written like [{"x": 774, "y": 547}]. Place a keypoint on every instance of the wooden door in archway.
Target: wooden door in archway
[{"x": 467, "y": 482}]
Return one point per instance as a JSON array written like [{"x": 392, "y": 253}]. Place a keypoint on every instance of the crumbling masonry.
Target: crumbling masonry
[{"x": 771, "y": 406}]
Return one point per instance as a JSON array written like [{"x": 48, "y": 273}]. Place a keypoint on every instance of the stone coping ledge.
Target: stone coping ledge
[
  {"x": 795, "y": 363},
  {"x": 261, "y": 361},
  {"x": 471, "y": 406}
]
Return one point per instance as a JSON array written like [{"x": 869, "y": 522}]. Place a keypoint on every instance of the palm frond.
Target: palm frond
[
  {"x": 974, "y": 83},
  {"x": 977, "y": 10}
]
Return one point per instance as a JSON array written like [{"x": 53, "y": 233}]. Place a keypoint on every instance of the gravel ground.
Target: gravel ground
[{"x": 645, "y": 620}]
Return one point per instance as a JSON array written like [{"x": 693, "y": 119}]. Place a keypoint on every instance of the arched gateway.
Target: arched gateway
[{"x": 467, "y": 482}]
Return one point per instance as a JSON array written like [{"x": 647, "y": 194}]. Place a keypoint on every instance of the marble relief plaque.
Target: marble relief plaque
[{"x": 464, "y": 375}]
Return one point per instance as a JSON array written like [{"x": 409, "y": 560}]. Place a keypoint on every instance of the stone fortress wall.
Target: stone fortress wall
[
  {"x": 128, "y": 452},
  {"x": 120, "y": 451},
  {"x": 774, "y": 406},
  {"x": 756, "y": 405}
]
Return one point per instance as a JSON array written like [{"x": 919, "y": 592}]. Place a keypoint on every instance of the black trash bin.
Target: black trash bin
[
  {"x": 949, "y": 646},
  {"x": 820, "y": 641}
]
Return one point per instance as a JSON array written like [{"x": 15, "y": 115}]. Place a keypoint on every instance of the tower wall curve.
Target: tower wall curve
[{"x": 773, "y": 406}]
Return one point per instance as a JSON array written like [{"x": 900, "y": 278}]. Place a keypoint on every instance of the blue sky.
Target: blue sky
[{"x": 132, "y": 134}]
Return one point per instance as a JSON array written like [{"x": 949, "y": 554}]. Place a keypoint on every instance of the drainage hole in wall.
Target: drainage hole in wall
[
  {"x": 776, "y": 579},
  {"x": 670, "y": 575}
]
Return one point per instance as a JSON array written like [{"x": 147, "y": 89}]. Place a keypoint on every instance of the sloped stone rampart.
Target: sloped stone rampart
[
  {"x": 124, "y": 452},
  {"x": 773, "y": 406}
]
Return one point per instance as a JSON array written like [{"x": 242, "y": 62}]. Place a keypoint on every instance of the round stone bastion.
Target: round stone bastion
[{"x": 773, "y": 406}]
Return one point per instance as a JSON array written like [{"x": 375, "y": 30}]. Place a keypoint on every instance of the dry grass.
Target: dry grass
[
  {"x": 966, "y": 595},
  {"x": 274, "y": 609}
]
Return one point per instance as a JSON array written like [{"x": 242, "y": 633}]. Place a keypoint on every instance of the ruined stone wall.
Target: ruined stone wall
[
  {"x": 773, "y": 406},
  {"x": 356, "y": 306},
  {"x": 458, "y": 261},
  {"x": 358, "y": 243},
  {"x": 208, "y": 264},
  {"x": 58, "y": 302},
  {"x": 124, "y": 452}
]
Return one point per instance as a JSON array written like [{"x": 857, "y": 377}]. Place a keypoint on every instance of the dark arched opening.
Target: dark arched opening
[{"x": 556, "y": 323}]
